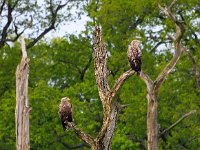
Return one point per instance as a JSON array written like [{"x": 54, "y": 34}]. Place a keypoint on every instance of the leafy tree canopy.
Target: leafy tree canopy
[{"x": 64, "y": 67}]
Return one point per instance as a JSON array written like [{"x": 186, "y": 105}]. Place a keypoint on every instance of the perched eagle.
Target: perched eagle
[
  {"x": 134, "y": 56},
  {"x": 65, "y": 111}
]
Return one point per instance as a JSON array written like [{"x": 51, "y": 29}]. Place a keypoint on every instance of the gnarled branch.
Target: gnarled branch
[{"x": 101, "y": 74}]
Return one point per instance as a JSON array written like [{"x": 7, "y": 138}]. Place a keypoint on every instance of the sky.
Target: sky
[
  {"x": 70, "y": 27},
  {"x": 64, "y": 27}
]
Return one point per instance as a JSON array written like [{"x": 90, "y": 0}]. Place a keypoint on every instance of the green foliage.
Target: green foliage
[
  {"x": 8, "y": 62},
  {"x": 64, "y": 67},
  {"x": 123, "y": 21}
]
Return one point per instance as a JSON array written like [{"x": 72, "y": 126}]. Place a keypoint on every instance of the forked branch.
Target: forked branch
[
  {"x": 110, "y": 109},
  {"x": 54, "y": 14},
  {"x": 147, "y": 80},
  {"x": 180, "y": 29}
]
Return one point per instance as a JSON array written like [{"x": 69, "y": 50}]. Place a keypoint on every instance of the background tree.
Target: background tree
[
  {"x": 34, "y": 18},
  {"x": 178, "y": 94}
]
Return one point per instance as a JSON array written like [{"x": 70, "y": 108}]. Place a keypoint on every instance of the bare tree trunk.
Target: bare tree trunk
[
  {"x": 154, "y": 86},
  {"x": 152, "y": 125},
  {"x": 22, "y": 106},
  {"x": 104, "y": 143}
]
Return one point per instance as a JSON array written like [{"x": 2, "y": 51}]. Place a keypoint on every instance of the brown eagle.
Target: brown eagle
[
  {"x": 134, "y": 56},
  {"x": 65, "y": 112}
]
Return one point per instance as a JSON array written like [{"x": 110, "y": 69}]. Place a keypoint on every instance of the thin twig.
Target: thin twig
[
  {"x": 53, "y": 20},
  {"x": 177, "y": 122}
]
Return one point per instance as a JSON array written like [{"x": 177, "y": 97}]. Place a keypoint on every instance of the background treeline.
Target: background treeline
[{"x": 64, "y": 67}]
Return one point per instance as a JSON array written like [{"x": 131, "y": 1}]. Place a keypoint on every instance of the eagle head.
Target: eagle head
[
  {"x": 64, "y": 99},
  {"x": 135, "y": 43}
]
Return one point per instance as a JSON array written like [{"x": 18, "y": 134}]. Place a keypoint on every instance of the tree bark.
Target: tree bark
[
  {"x": 110, "y": 108},
  {"x": 152, "y": 121},
  {"x": 22, "y": 105},
  {"x": 107, "y": 95},
  {"x": 152, "y": 124}
]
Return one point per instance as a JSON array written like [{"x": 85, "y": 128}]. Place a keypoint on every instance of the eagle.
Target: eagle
[
  {"x": 65, "y": 112},
  {"x": 134, "y": 56}
]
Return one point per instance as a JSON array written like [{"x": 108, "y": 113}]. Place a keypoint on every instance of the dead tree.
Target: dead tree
[
  {"x": 154, "y": 86},
  {"x": 22, "y": 105},
  {"x": 110, "y": 108}
]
